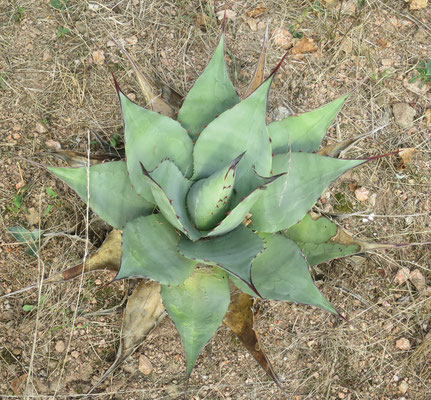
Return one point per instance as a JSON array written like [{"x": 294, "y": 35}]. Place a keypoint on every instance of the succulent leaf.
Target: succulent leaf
[
  {"x": 111, "y": 194},
  {"x": 281, "y": 273},
  {"x": 150, "y": 251},
  {"x": 241, "y": 128},
  {"x": 208, "y": 199},
  {"x": 197, "y": 308},
  {"x": 150, "y": 138},
  {"x": 233, "y": 252},
  {"x": 169, "y": 189},
  {"x": 304, "y": 132},
  {"x": 286, "y": 201},
  {"x": 212, "y": 94}
]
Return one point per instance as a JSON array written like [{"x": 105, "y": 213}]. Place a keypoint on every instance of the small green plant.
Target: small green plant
[
  {"x": 59, "y": 4},
  {"x": 61, "y": 31},
  {"x": 31, "y": 307},
  {"x": 19, "y": 13},
  {"x": 296, "y": 34},
  {"x": 424, "y": 73},
  {"x": 31, "y": 239},
  {"x": 114, "y": 141},
  {"x": 53, "y": 195},
  {"x": 17, "y": 200}
]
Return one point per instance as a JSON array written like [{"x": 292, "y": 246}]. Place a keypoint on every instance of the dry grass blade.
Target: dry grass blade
[
  {"x": 143, "y": 313},
  {"x": 260, "y": 67},
  {"x": 155, "y": 102},
  {"x": 75, "y": 159},
  {"x": 240, "y": 320},
  {"x": 335, "y": 150},
  {"x": 421, "y": 355}
]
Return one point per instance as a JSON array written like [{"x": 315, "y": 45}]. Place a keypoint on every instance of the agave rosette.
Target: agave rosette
[{"x": 187, "y": 186}]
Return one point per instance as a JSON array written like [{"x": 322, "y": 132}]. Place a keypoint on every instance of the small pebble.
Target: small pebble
[
  {"x": 403, "y": 344},
  {"x": 59, "y": 346}
]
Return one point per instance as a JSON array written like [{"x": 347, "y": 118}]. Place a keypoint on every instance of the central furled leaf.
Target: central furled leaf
[
  {"x": 208, "y": 199},
  {"x": 241, "y": 128}
]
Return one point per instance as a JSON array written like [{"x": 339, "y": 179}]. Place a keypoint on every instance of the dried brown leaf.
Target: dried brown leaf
[
  {"x": 256, "y": 12},
  {"x": 282, "y": 38},
  {"x": 108, "y": 256},
  {"x": 230, "y": 14},
  {"x": 362, "y": 194},
  {"x": 156, "y": 102},
  {"x": 240, "y": 320},
  {"x": 305, "y": 45},
  {"x": 260, "y": 67},
  {"x": 417, "y": 4},
  {"x": 334, "y": 150},
  {"x": 98, "y": 57},
  {"x": 144, "y": 311}
]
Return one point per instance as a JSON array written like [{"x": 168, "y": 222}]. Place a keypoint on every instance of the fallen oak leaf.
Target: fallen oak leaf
[
  {"x": 228, "y": 14},
  {"x": 305, "y": 45},
  {"x": 256, "y": 12},
  {"x": 362, "y": 194},
  {"x": 283, "y": 38}
]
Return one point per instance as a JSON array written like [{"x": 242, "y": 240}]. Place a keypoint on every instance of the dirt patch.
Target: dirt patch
[{"x": 55, "y": 84}]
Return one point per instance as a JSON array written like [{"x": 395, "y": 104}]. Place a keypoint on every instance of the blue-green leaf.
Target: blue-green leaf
[
  {"x": 150, "y": 251},
  {"x": 233, "y": 252},
  {"x": 211, "y": 94},
  {"x": 281, "y": 273},
  {"x": 287, "y": 200},
  {"x": 150, "y": 138},
  {"x": 111, "y": 194},
  {"x": 304, "y": 132},
  {"x": 241, "y": 128},
  {"x": 321, "y": 240},
  {"x": 197, "y": 308},
  {"x": 239, "y": 211},
  {"x": 169, "y": 189}
]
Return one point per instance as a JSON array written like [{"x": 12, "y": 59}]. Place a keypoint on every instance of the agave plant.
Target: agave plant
[{"x": 217, "y": 196}]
